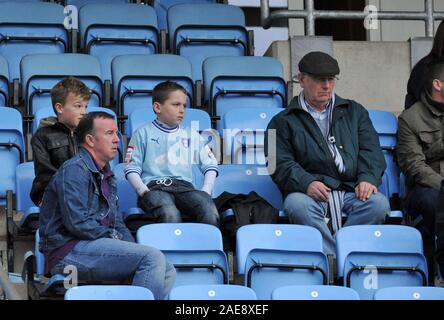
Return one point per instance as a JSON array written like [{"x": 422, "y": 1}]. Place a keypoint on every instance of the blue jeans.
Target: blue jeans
[
  {"x": 108, "y": 259},
  {"x": 302, "y": 209},
  {"x": 167, "y": 206}
]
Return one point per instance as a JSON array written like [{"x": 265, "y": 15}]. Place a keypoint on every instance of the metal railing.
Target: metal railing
[{"x": 309, "y": 14}]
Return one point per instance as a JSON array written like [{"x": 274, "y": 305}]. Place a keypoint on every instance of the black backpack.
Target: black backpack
[{"x": 247, "y": 209}]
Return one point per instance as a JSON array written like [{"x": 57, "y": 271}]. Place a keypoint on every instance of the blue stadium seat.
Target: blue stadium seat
[
  {"x": 274, "y": 255},
  {"x": 49, "y": 112},
  {"x": 81, "y": 3},
  {"x": 240, "y": 178},
  {"x": 161, "y": 7},
  {"x": 135, "y": 76},
  {"x": 386, "y": 125},
  {"x": 395, "y": 251},
  {"x": 195, "y": 249},
  {"x": 12, "y": 150},
  {"x": 410, "y": 293},
  {"x": 234, "y": 82},
  {"x": 108, "y": 292},
  {"x": 109, "y": 30},
  {"x": 244, "y": 142},
  {"x": 4, "y": 82},
  {"x": 314, "y": 292},
  {"x": 201, "y": 30},
  {"x": 127, "y": 198},
  {"x": 29, "y": 28},
  {"x": 41, "y": 72},
  {"x": 24, "y": 178},
  {"x": 212, "y": 292}
]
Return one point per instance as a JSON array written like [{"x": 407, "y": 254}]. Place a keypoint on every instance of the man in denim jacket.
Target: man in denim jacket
[{"x": 81, "y": 226}]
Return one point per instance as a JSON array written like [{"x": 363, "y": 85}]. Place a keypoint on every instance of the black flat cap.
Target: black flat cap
[{"x": 319, "y": 64}]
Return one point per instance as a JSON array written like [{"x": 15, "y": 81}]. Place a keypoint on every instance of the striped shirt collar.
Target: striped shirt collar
[
  {"x": 304, "y": 103},
  {"x": 163, "y": 127}
]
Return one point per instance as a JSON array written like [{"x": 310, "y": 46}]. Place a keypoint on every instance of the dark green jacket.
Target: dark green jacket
[
  {"x": 420, "y": 148},
  {"x": 302, "y": 154}
]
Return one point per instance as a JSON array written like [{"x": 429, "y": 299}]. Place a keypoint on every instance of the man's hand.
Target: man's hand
[
  {"x": 364, "y": 190},
  {"x": 318, "y": 191}
]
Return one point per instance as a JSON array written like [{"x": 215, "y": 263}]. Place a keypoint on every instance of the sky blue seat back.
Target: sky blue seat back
[
  {"x": 240, "y": 178},
  {"x": 380, "y": 246},
  {"x": 4, "y": 82},
  {"x": 135, "y": 76},
  {"x": 234, "y": 82},
  {"x": 386, "y": 125},
  {"x": 125, "y": 192},
  {"x": 105, "y": 32},
  {"x": 24, "y": 178},
  {"x": 281, "y": 244},
  {"x": 190, "y": 26},
  {"x": 33, "y": 20},
  {"x": 41, "y": 72},
  {"x": 12, "y": 149},
  {"x": 162, "y": 6},
  {"x": 182, "y": 243},
  {"x": 244, "y": 134},
  {"x": 81, "y": 3}
]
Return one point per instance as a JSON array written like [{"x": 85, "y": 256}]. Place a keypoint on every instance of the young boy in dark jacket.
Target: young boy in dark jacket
[{"x": 55, "y": 140}]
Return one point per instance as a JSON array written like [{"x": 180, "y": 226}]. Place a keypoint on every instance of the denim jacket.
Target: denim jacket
[{"x": 73, "y": 206}]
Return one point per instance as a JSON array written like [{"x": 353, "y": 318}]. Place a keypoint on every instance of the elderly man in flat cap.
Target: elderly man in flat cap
[{"x": 328, "y": 158}]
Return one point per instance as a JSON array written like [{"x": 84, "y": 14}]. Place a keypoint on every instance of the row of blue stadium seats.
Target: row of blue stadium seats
[
  {"x": 229, "y": 82},
  {"x": 235, "y": 292},
  {"x": 196, "y": 31},
  {"x": 270, "y": 256},
  {"x": 160, "y": 6}
]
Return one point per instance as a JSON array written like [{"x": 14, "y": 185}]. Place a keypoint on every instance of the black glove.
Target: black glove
[{"x": 144, "y": 202}]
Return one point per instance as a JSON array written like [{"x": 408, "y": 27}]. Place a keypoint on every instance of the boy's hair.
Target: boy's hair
[
  {"x": 162, "y": 91},
  {"x": 60, "y": 92},
  {"x": 86, "y": 125}
]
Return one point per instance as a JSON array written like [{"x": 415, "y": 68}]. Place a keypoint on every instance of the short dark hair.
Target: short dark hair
[
  {"x": 86, "y": 125},
  {"x": 435, "y": 70},
  {"x": 60, "y": 92},
  {"x": 162, "y": 91}
]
